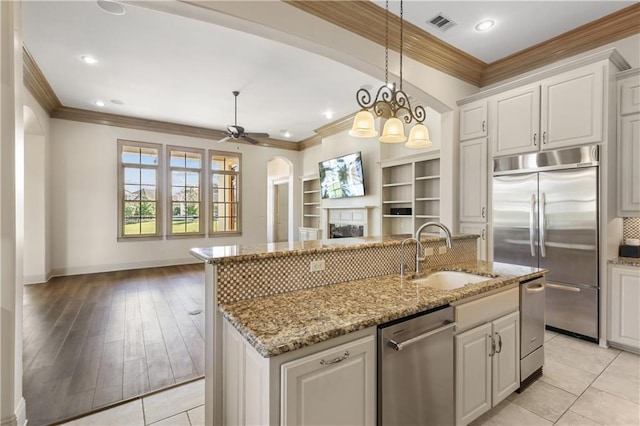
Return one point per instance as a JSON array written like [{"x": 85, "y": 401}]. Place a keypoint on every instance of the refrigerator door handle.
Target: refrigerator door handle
[
  {"x": 532, "y": 225},
  {"x": 543, "y": 224}
]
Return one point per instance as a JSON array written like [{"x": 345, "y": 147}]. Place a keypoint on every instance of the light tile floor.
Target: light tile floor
[{"x": 582, "y": 385}]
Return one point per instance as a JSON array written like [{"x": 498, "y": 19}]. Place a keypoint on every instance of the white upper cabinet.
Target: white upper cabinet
[
  {"x": 629, "y": 145},
  {"x": 571, "y": 109},
  {"x": 516, "y": 121},
  {"x": 473, "y": 180},
  {"x": 560, "y": 111},
  {"x": 473, "y": 120}
]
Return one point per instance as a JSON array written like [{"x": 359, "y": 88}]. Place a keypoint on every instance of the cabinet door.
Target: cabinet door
[
  {"x": 516, "y": 121},
  {"x": 473, "y": 120},
  {"x": 624, "y": 293},
  {"x": 332, "y": 387},
  {"x": 630, "y": 95},
  {"x": 473, "y": 181},
  {"x": 572, "y": 105},
  {"x": 479, "y": 229},
  {"x": 506, "y": 361},
  {"x": 473, "y": 373},
  {"x": 629, "y": 169}
]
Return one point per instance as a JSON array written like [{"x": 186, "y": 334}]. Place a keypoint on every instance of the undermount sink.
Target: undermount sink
[{"x": 449, "y": 280}]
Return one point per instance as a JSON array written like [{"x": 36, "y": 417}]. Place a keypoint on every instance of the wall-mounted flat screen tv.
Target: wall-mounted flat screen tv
[{"x": 342, "y": 177}]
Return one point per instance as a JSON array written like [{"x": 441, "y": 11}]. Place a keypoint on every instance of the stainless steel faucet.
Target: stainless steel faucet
[
  {"x": 419, "y": 248},
  {"x": 447, "y": 240}
]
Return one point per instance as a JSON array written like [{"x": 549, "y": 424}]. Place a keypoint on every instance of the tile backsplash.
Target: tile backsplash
[
  {"x": 269, "y": 276},
  {"x": 631, "y": 227}
]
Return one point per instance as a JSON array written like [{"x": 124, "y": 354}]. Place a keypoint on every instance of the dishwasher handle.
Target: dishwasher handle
[{"x": 398, "y": 346}]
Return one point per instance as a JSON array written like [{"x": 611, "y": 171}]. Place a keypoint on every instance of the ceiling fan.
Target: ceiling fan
[{"x": 237, "y": 132}]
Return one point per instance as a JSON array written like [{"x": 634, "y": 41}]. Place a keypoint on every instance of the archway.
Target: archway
[{"x": 280, "y": 220}]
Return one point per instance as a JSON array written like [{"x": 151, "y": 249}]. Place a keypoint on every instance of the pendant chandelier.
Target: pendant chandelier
[{"x": 391, "y": 103}]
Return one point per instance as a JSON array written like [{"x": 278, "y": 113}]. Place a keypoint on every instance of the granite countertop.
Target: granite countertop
[
  {"x": 228, "y": 254},
  {"x": 627, "y": 261},
  {"x": 289, "y": 321}
]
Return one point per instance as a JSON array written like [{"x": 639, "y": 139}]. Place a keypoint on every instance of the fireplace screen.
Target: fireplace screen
[{"x": 345, "y": 231}]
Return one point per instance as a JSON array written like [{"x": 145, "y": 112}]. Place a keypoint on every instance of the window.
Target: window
[
  {"x": 185, "y": 178},
  {"x": 138, "y": 186},
  {"x": 225, "y": 192}
]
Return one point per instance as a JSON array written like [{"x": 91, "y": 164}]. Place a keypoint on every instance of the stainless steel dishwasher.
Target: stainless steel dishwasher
[{"x": 415, "y": 370}]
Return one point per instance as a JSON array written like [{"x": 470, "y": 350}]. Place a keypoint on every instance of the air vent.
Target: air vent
[{"x": 441, "y": 22}]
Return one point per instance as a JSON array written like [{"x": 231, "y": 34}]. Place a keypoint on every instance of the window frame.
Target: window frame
[
  {"x": 169, "y": 192},
  {"x": 121, "y": 190},
  {"x": 210, "y": 154}
]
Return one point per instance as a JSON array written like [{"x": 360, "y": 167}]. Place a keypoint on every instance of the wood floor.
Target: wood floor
[{"x": 92, "y": 340}]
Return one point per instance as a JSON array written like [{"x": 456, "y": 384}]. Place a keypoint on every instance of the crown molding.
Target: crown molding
[
  {"x": 366, "y": 19},
  {"x": 618, "y": 25},
  {"x": 36, "y": 83},
  {"x": 93, "y": 117}
]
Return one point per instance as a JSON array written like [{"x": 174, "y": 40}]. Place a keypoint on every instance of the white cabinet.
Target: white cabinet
[
  {"x": 410, "y": 193},
  {"x": 333, "y": 387},
  {"x": 487, "y": 366},
  {"x": 473, "y": 180},
  {"x": 328, "y": 383},
  {"x": 564, "y": 110},
  {"x": 308, "y": 234},
  {"x": 473, "y": 120},
  {"x": 482, "y": 230},
  {"x": 515, "y": 121},
  {"x": 629, "y": 146},
  {"x": 624, "y": 299}
]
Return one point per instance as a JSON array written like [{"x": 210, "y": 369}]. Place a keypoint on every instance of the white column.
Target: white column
[{"x": 12, "y": 406}]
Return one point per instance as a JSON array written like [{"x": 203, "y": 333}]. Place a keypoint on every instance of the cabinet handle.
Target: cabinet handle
[
  {"x": 535, "y": 135},
  {"x": 336, "y": 360},
  {"x": 483, "y": 235},
  {"x": 544, "y": 137},
  {"x": 483, "y": 124},
  {"x": 398, "y": 346},
  {"x": 499, "y": 343},
  {"x": 483, "y": 209},
  {"x": 493, "y": 345}
]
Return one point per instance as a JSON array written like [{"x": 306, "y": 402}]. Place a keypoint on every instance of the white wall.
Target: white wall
[
  {"x": 84, "y": 207},
  {"x": 37, "y": 264}
]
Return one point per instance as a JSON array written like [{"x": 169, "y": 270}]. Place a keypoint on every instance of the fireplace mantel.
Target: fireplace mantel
[{"x": 352, "y": 219}]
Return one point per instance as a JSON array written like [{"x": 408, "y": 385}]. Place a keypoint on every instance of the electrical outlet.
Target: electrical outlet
[
  {"x": 442, "y": 249},
  {"x": 428, "y": 251},
  {"x": 316, "y": 265}
]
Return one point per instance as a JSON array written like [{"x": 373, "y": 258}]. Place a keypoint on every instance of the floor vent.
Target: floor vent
[{"x": 441, "y": 22}]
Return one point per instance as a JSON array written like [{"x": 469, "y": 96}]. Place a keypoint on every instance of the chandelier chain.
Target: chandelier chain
[
  {"x": 401, "y": 39},
  {"x": 386, "y": 44}
]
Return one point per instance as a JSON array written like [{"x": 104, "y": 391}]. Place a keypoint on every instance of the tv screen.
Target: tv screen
[{"x": 342, "y": 177}]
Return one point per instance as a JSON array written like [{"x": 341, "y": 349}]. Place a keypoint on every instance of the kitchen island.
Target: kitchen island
[{"x": 359, "y": 289}]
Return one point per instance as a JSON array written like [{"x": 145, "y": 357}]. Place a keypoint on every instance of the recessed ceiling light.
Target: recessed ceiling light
[
  {"x": 286, "y": 134},
  {"x": 485, "y": 25},
  {"x": 89, "y": 59},
  {"x": 329, "y": 115},
  {"x": 99, "y": 103},
  {"x": 111, "y": 7}
]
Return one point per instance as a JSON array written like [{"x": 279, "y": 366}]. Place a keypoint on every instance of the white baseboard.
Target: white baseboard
[
  {"x": 19, "y": 418},
  {"x": 61, "y": 272},
  {"x": 35, "y": 279}
]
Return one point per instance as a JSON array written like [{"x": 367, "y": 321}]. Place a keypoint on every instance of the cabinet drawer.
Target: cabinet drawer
[{"x": 488, "y": 308}]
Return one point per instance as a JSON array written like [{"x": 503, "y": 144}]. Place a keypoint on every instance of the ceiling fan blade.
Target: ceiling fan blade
[
  {"x": 257, "y": 135},
  {"x": 250, "y": 139},
  {"x": 225, "y": 139}
]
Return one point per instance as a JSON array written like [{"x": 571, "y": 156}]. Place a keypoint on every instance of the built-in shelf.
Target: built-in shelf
[
  {"x": 311, "y": 215},
  {"x": 315, "y": 191},
  {"x": 311, "y": 218},
  {"x": 310, "y": 204},
  {"x": 412, "y": 183}
]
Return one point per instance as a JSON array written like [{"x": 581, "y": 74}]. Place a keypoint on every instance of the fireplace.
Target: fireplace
[
  {"x": 338, "y": 230},
  {"x": 347, "y": 222}
]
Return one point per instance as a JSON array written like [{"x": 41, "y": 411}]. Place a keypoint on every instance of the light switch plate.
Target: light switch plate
[
  {"x": 428, "y": 251},
  {"x": 442, "y": 249},
  {"x": 316, "y": 265}
]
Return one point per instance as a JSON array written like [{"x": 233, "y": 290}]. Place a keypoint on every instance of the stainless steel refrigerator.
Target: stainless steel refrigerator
[{"x": 545, "y": 214}]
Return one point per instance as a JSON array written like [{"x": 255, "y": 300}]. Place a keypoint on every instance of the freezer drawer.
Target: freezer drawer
[{"x": 572, "y": 308}]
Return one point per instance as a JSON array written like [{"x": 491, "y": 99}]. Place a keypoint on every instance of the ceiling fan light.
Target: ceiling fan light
[
  {"x": 419, "y": 137},
  {"x": 393, "y": 131},
  {"x": 363, "y": 125}
]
